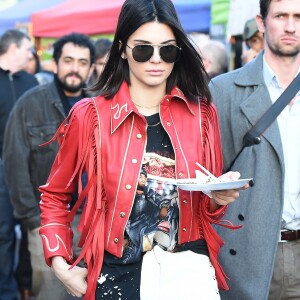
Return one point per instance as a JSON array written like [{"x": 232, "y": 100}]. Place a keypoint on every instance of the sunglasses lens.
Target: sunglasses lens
[
  {"x": 142, "y": 53},
  {"x": 169, "y": 53}
]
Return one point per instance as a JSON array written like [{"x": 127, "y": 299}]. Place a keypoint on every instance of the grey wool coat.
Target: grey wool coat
[{"x": 248, "y": 254}]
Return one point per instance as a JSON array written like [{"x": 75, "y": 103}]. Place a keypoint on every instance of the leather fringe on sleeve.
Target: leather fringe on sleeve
[
  {"x": 213, "y": 161},
  {"x": 93, "y": 216}
]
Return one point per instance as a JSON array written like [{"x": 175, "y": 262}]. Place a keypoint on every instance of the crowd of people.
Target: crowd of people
[
  {"x": 90, "y": 153},
  {"x": 30, "y": 120}
]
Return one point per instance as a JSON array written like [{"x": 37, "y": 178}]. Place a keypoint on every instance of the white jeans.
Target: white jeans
[{"x": 178, "y": 276}]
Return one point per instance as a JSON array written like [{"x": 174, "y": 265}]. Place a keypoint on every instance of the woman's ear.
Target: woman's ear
[{"x": 123, "y": 54}]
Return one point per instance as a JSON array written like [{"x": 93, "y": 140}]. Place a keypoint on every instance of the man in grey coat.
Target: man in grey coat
[{"x": 262, "y": 259}]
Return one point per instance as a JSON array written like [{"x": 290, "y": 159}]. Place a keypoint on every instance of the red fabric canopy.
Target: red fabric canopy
[{"x": 102, "y": 16}]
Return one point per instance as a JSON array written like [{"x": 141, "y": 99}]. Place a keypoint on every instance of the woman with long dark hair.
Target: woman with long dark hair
[{"x": 142, "y": 237}]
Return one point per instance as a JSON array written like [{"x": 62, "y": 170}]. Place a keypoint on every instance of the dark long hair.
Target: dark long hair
[{"x": 188, "y": 72}]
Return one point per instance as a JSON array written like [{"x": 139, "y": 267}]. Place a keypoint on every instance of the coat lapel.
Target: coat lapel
[{"x": 259, "y": 101}]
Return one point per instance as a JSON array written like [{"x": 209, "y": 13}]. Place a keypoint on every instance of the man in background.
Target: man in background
[
  {"x": 253, "y": 41},
  {"x": 34, "y": 67},
  {"x": 15, "y": 52},
  {"x": 33, "y": 121},
  {"x": 262, "y": 259},
  {"x": 213, "y": 53},
  {"x": 214, "y": 56},
  {"x": 102, "y": 47}
]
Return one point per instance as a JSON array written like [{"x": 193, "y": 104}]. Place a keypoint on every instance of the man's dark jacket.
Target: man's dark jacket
[
  {"x": 33, "y": 121},
  {"x": 12, "y": 86}
]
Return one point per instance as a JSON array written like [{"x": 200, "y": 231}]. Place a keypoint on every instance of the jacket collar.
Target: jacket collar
[
  {"x": 258, "y": 101},
  {"x": 122, "y": 106},
  {"x": 16, "y": 74}
]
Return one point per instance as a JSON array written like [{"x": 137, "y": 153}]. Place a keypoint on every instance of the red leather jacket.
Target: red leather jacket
[{"x": 107, "y": 138}]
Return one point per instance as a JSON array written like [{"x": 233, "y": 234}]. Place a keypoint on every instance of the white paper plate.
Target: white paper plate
[{"x": 212, "y": 186}]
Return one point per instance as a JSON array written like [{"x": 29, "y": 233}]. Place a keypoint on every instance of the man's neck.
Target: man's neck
[
  {"x": 285, "y": 68},
  {"x": 73, "y": 95},
  {"x": 7, "y": 65}
]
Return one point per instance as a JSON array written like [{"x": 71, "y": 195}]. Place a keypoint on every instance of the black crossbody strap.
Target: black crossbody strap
[{"x": 252, "y": 136}]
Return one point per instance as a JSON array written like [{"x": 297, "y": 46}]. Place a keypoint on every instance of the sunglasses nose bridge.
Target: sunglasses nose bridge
[{"x": 155, "y": 53}]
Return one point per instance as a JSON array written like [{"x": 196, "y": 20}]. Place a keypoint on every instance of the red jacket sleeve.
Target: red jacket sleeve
[{"x": 56, "y": 196}]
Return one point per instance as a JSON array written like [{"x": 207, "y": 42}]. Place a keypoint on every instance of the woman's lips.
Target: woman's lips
[{"x": 155, "y": 72}]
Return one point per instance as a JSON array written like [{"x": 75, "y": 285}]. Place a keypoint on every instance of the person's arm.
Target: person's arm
[
  {"x": 56, "y": 195},
  {"x": 16, "y": 155},
  {"x": 55, "y": 232}
]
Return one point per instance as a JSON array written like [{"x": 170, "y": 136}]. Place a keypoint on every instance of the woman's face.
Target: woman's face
[{"x": 155, "y": 71}]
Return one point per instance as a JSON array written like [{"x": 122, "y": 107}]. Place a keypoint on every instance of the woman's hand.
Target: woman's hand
[
  {"x": 226, "y": 197},
  {"x": 74, "y": 280}
]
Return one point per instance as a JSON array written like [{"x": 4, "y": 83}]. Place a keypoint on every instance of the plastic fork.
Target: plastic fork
[{"x": 212, "y": 176}]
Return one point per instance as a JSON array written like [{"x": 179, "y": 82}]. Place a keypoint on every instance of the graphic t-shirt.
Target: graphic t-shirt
[
  {"x": 155, "y": 213},
  {"x": 153, "y": 221}
]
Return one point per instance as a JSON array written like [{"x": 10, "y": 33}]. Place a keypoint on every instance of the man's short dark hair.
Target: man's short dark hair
[
  {"x": 12, "y": 36},
  {"x": 77, "y": 39},
  {"x": 102, "y": 47},
  {"x": 264, "y": 8}
]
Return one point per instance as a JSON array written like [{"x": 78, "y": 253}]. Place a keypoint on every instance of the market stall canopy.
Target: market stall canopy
[
  {"x": 88, "y": 17},
  {"x": 100, "y": 16},
  {"x": 194, "y": 15},
  {"x": 21, "y": 12}
]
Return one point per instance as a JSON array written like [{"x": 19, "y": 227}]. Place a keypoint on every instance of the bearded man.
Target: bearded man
[{"x": 33, "y": 121}]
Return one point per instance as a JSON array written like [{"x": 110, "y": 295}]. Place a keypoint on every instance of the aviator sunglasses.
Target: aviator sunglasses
[{"x": 143, "y": 52}]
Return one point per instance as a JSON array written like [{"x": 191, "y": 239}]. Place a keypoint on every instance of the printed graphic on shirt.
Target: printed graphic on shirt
[
  {"x": 154, "y": 218},
  {"x": 155, "y": 212}
]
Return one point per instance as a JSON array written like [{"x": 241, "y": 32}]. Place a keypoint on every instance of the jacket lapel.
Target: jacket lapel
[{"x": 259, "y": 101}]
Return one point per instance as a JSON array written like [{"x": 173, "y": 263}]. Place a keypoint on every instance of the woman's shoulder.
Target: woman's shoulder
[
  {"x": 86, "y": 105},
  {"x": 82, "y": 119},
  {"x": 87, "y": 111}
]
